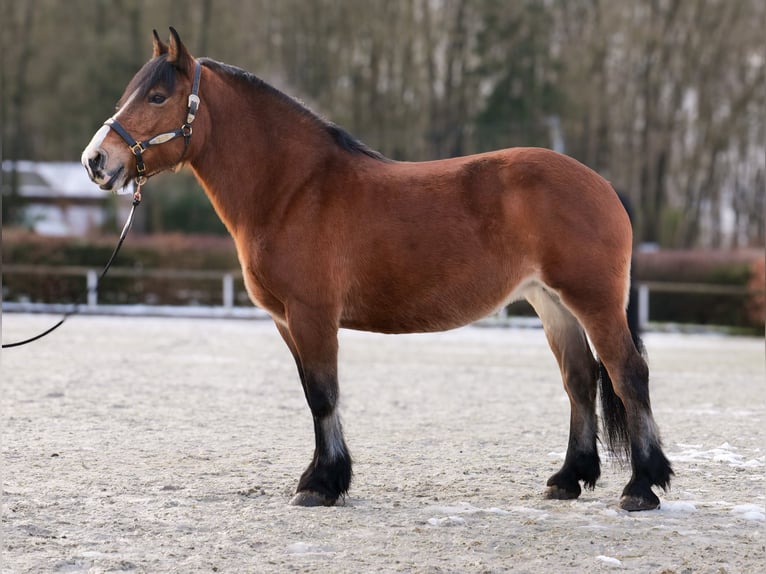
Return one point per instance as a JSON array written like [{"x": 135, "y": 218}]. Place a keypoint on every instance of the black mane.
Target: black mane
[{"x": 340, "y": 136}]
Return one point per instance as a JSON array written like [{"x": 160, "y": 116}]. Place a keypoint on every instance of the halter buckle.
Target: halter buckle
[
  {"x": 137, "y": 149},
  {"x": 193, "y": 105}
]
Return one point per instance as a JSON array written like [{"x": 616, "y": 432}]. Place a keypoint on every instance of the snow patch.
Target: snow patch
[
  {"x": 726, "y": 453},
  {"x": 73, "y": 566},
  {"x": 530, "y": 511},
  {"x": 466, "y": 508},
  {"x": 609, "y": 560},
  {"x": 446, "y": 521},
  {"x": 306, "y": 548},
  {"x": 678, "y": 506},
  {"x": 453, "y": 513},
  {"x": 749, "y": 512}
]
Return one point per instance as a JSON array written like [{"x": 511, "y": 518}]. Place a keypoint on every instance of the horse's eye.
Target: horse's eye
[{"x": 156, "y": 99}]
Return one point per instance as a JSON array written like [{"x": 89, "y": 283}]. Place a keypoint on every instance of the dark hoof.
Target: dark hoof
[
  {"x": 555, "y": 492},
  {"x": 634, "y": 503},
  {"x": 563, "y": 486},
  {"x": 310, "y": 498}
]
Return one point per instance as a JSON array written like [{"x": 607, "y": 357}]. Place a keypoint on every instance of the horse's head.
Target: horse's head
[{"x": 158, "y": 107}]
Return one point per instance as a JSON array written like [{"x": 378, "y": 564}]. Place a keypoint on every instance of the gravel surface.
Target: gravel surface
[{"x": 174, "y": 445}]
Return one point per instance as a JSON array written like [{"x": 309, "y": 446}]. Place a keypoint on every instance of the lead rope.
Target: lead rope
[{"x": 139, "y": 182}]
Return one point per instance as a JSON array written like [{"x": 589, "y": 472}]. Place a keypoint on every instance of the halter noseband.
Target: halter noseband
[{"x": 138, "y": 148}]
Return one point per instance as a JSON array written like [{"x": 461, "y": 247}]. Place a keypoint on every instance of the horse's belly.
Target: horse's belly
[
  {"x": 439, "y": 310},
  {"x": 395, "y": 323}
]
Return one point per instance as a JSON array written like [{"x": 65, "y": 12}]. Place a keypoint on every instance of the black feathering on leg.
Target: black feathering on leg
[{"x": 326, "y": 475}]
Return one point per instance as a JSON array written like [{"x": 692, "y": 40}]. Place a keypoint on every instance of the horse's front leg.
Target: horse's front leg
[{"x": 314, "y": 344}]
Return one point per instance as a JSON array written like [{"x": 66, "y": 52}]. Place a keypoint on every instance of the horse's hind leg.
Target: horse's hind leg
[
  {"x": 314, "y": 346},
  {"x": 579, "y": 372},
  {"x": 628, "y": 418}
]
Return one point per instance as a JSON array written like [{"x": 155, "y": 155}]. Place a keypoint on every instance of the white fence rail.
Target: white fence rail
[{"x": 228, "y": 307}]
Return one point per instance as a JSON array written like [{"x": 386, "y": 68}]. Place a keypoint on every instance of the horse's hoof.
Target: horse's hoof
[
  {"x": 311, "y": 498},
  {"x": 635, "y": 503},
  {"x": 555, "y": 492}
]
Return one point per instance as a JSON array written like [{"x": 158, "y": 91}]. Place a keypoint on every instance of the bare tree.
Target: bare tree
[{"x": 664, "y": 97}]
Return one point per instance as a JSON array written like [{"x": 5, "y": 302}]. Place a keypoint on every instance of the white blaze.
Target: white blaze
[
  {"x": 126, "y": 104},
  {"x": 94, "y": 145}
]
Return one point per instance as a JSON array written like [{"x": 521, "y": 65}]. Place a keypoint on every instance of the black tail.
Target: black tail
[{"x": 614, "y": 420}]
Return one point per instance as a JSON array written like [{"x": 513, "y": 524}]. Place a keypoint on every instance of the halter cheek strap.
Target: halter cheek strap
[{"x": 138, "y": 148}]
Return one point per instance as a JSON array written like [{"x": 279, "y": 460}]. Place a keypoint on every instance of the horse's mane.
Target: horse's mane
[{"x": 340, "y": 136}]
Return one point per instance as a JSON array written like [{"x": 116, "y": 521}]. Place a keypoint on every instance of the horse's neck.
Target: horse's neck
[{"x": 257, "y": 150}]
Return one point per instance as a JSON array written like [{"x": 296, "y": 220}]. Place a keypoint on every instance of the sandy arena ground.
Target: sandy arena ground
[{"x": 174, "y": 445}]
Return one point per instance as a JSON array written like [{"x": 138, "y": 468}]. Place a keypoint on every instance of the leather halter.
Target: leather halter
[{"x": 138, "y": 148}]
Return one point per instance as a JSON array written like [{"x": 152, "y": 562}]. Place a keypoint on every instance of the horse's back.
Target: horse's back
[{"x": 522, "y": 201}]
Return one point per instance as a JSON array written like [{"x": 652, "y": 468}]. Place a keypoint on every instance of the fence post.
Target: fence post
[
  {"x": 92, "y": 283},
  {"x": 228, "y": 290},
  {"x": 643, "y": 305}
]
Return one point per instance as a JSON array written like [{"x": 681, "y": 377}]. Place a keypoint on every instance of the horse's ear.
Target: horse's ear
[
  {"x": 159, "y": 47},
  {"x": 178, "y": 55}
]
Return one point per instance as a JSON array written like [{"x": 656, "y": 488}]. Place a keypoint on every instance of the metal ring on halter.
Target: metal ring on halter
[{"x": 137, "y": 148}]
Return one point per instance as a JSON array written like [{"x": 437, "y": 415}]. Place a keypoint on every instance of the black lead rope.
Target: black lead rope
[{"x": 76, "y": 305}]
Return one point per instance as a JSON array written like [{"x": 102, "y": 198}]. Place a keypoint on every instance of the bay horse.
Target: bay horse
[{"x": 331, "y": 234}]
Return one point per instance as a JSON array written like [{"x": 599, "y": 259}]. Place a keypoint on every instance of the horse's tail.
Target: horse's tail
[{"x": 614, "y": 417}]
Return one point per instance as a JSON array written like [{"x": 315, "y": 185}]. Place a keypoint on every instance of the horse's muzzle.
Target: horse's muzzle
[
  {"x": 95, "y": 160},
  {"x": 95, "y": 164},
  {"x": 114, "y": 178}
]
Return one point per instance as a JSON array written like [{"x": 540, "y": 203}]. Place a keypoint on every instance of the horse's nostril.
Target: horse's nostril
[{"x": 96, "y": 161}]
